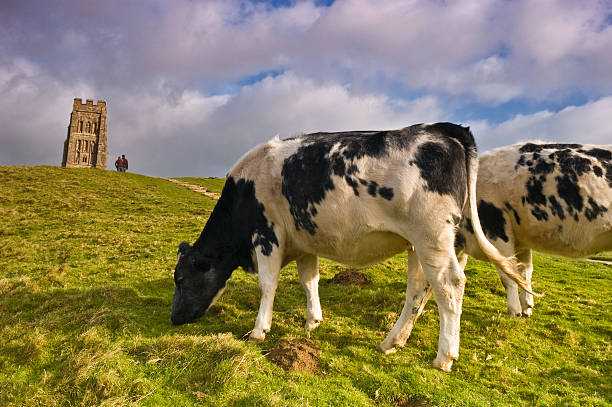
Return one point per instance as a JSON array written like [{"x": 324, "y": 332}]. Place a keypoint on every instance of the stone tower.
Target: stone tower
[{"x": 85, "y": 145}]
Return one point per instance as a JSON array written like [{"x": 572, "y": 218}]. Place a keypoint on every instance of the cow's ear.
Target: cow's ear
[
  {"x": 183, "y": 247},
  {"x": 201, "y": 262}
]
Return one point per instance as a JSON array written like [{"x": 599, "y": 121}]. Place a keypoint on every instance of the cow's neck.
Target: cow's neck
[{"x": 222, "y": 238}]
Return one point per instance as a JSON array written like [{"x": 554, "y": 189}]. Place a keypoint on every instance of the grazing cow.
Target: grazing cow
[
  {"x": 353, "y": 197},
  {"x": 554, "y": 198}
]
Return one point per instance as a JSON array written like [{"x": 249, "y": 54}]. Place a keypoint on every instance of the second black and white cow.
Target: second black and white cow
[
  {"x": 554, "y": 198},
  {"x": 353, "y": 197}
]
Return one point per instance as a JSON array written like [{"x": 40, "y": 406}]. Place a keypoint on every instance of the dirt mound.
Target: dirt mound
[
  {"x": 298, "y": 354},
  {"x": 350, "y": 277}
]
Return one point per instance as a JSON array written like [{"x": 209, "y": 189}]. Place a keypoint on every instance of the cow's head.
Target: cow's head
[{"x": 198, "y": 284}]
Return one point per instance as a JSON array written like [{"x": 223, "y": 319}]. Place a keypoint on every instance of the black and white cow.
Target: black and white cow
[
  {"x": 353, "y": 197},
  {"x": 554, "y": 198}
]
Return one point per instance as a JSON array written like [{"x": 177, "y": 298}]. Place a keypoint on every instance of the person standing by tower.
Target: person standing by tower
[
  {"x": 118, "y": 164},
  {"x": 125, "y": 162}
]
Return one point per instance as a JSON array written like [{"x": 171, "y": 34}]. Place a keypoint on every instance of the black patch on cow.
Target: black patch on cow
[
  {"x": 555, "y": 207},
  {"x": 605, "y": 160},
  {"x": 572, "y": 164},
  {"x": 459, "y": 241},
  {"x": 372, "y": 188},
  {"x": 536, "y": 148},
  {"x": 535, "y": 196},
  {"x": 307, "y": 174},
  {"x": 520, "y": 162},
  {"x": 442, "y": 164},
  {"x": 608, "y": 167},
  {"x": 539, "y": 213},
  {"x": 386, "y": 193},
  {"x": 467, "y": 223},
  {"x": 236, "y": 226},
  {"x": 599, "y": 153},
  {"x": 542, "y": 167},
  {"x": 353, "y": 184},
  {"x": 443, "y": 168},
  {"x": 462, "y": 134},
  {"x": 511, "y": 209},
  {"x": 492, "y": 220},
  {"x": 306, "y": 178},
  {"x": 594, "y": 210},
  {"x": 568, "y": 190}
]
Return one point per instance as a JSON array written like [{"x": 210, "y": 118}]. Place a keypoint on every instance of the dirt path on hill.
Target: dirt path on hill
[
  {"x": 609, "y": 263},
  {"x": 196, "y": 188}
]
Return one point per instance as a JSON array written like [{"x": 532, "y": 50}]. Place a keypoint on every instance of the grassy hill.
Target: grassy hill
[{"x": 86, "y": 261}]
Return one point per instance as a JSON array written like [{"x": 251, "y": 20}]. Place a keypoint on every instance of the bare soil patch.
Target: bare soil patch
[
  {"x": 298, "y": 354},
  {"x": 196, "y": 188},
  {"x": 350, "y": 277}
]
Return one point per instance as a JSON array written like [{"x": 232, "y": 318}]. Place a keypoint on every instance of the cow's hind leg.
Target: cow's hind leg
[
  {"x": 526, "y": 270},
  {"x": 512, "y": 297},
  {"x": 268, "y": 271},
  {"x": 308, "y": 270},
  {"x": 418, "y": 291},
  {"x": 446, "y": 276}
]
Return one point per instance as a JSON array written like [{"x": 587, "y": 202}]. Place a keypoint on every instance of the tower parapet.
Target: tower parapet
[{"x": 85, "y": 145}]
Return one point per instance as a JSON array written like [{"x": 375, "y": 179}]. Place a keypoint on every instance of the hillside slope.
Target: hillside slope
[{"x": 86, "y": 261}]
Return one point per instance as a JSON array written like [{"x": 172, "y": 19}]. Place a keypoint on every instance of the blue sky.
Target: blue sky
[{"x": 192, "y": 85}]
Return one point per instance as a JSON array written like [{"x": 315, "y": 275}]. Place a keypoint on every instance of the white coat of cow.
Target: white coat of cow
[
  {"x": 354, "y": 197},
  {"x": 550, "y": 197}
]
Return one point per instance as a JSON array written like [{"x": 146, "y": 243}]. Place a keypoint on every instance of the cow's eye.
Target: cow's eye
[{"x": 178, "y": 279}]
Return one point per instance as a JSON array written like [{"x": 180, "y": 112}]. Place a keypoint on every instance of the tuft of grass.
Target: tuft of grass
[{"x": 86, "y": 261}]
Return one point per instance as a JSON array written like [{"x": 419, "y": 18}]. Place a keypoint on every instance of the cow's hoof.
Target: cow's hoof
[
  {"x": 514, "y": 314},
  {"x": 312, "y": 324},
  {"x": 443, "y": 364},
  {"x": 257, "y": 336},
  {"x": 387, "y": 350},
  {"x": 527, "y": 313}
]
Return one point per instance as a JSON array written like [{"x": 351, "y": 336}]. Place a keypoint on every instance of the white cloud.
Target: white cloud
[
  {"x": 165, "y": 134},
  {"x": 588, "y": 124},
  {"x": 285, "y": 105},
  {"x": 493, "y": 50},
  {"x": 34, "y": 112}
]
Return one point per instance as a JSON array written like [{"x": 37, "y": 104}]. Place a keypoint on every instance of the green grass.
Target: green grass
[{"x": 86, "y": 260}]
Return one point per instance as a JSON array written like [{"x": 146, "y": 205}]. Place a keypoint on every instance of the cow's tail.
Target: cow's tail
[{"x": 507, "y": 264}]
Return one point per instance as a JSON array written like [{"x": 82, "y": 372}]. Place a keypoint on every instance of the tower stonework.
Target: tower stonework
[{"x": 85, "y": 145}]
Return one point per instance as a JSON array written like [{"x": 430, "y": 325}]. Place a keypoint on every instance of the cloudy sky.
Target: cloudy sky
[{"x": 192, "y": 85}]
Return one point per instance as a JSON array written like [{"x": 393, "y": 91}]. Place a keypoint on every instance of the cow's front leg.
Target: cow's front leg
[
  {"x": 418, "y": 291},
  {"x": 526, "y": 270},
  {"x": 268, "y": 271},
  {"x": 308, "y": 270}
]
